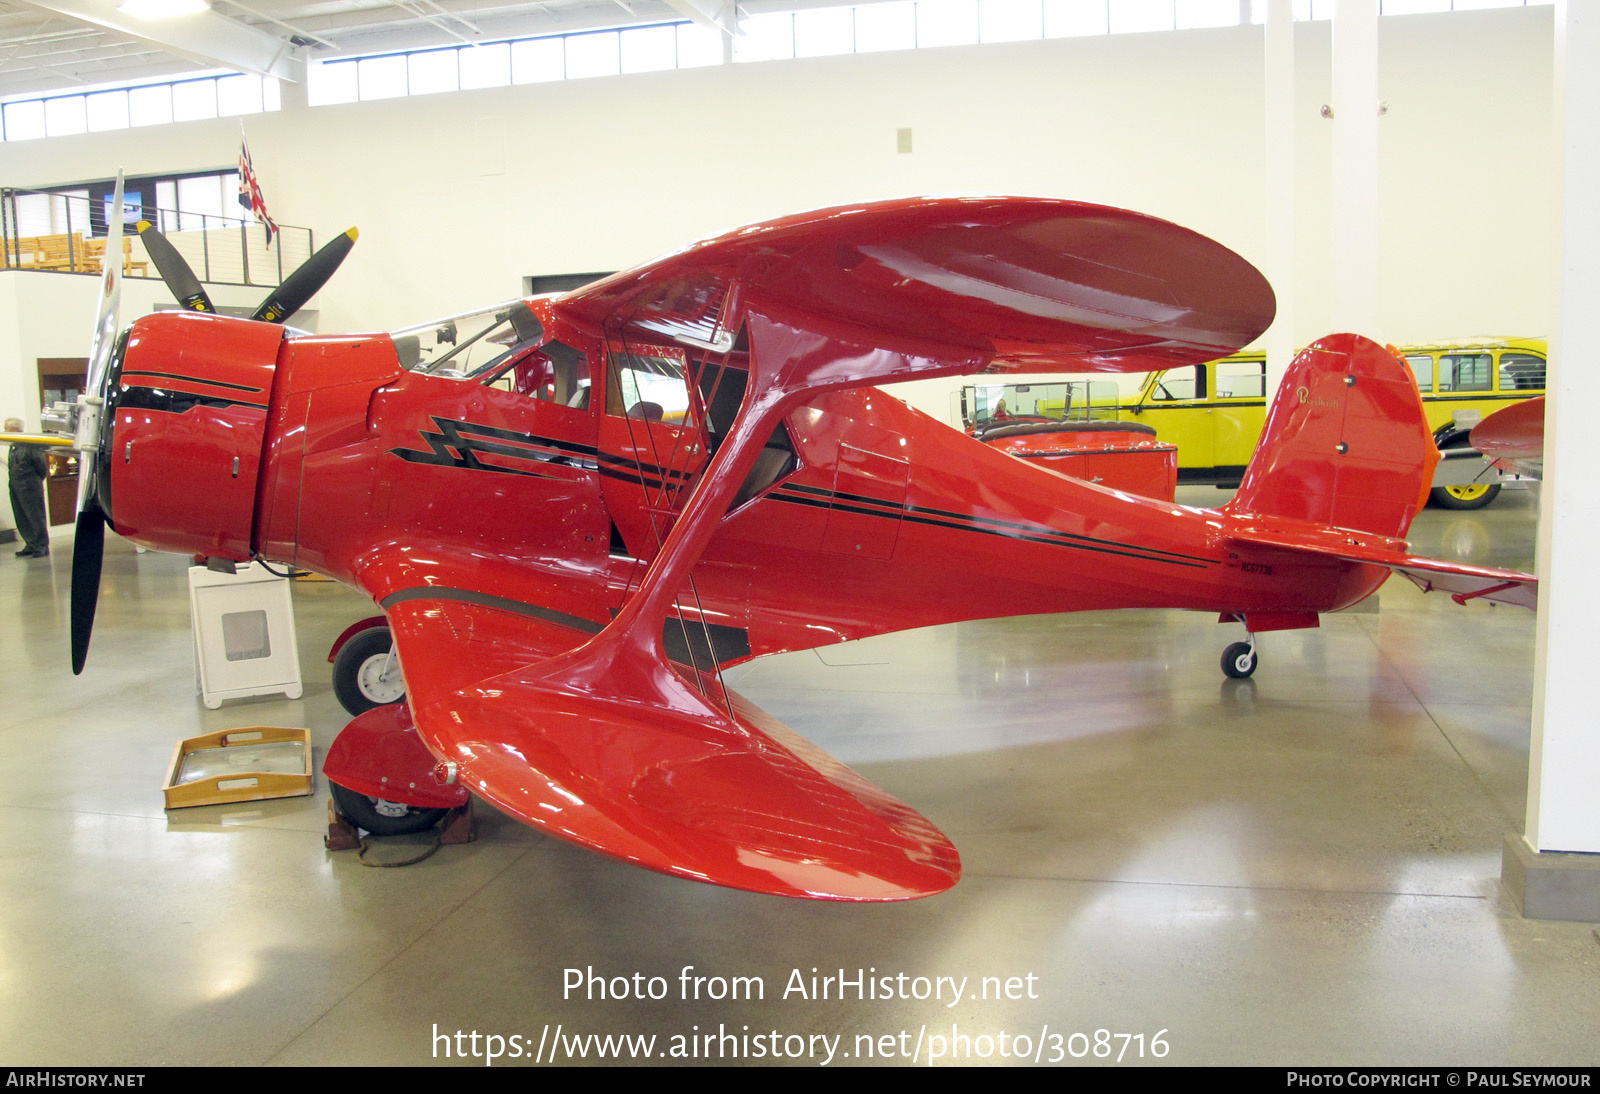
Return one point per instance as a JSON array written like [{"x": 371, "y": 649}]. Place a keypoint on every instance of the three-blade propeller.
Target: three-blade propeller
[{"x": 94, "y": 424}]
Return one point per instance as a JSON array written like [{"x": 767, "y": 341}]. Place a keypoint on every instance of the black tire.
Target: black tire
[
  {"x": 1239, "y": 661},
  {"x": 357, "y": 669},
  {"x": 1475, "y": 496},
  {"x": 373, "y": 814}
]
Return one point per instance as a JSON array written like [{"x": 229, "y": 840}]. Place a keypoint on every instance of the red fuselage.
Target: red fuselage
[{"x": 864, "y": 516}]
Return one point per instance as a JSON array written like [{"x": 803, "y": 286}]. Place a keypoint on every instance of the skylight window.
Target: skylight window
[{"x": 772, "y": 36}]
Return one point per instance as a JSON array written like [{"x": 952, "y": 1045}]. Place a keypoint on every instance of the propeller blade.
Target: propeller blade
[
  {"x": 303, "y": 284},
  {"x": 174, "y": 270},
  {"x": 105, "y": 337},
  {"x": 87, "y": 551},
  {"x": 90, "y": 539}
]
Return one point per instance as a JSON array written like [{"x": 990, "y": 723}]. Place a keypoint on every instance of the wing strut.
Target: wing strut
[
  {"x": 667, "y": 499},
  {"x": 792, "y": 355},
  {"x": 609, "y": 746}
]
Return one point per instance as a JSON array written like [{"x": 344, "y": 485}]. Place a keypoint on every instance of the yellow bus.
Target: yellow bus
[{"x": 1214, "y": 412}]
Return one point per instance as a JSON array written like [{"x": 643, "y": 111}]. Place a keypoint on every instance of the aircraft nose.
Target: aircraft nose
[{"x": 183, "y": 432}]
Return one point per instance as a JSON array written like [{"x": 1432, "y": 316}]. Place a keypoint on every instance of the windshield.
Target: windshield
[
  {"x": 1072, "y": 400},
  {"x": 468, "y": 345}
]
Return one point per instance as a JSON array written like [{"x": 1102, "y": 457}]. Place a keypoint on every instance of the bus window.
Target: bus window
[
  {"x": 1466, "y": 372},
  {"x": 1422, "y": 368},
  {"x": 1241, "y": 379},
  {"x": 1188, "y": 382},
  {"x": 1521, "y": 372}
]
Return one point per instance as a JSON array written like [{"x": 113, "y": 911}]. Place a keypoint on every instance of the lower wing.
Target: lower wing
[{"x": 731, "y": 797}]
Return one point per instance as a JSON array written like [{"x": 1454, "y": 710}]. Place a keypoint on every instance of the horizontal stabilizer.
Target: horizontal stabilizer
[
  {"x": 741, "y": 801},
  {"x": 1462, "y": 582},
  {"x": 1514, "y": 437}
]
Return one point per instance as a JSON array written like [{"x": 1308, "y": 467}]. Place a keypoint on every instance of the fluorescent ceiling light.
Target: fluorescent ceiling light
[{"x": 162, "y": 9}]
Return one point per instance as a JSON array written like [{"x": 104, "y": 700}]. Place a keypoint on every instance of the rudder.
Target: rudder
[{"x": 1346, "y": 442}]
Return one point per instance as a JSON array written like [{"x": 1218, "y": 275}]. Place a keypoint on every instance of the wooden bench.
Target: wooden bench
[
  {"x": 92, "y": 253},
  {"x": 71, "y": 253},
  {"x": 57, "y": 252}
]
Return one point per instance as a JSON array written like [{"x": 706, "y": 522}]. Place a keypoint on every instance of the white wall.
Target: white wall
[{"x": 600, "y": 174}]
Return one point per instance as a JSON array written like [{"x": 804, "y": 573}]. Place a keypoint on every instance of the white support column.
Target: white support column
[
  {"x": 1553, "y": 870},
  {"x": 1564, "y": 766},
  {"x": 1278, "y": 175},
  {"x": 1355, "y": 167}
]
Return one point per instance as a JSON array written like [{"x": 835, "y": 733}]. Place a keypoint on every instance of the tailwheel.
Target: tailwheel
[
  {"x": 381, "y": 817},
  {"x": 1471, "y": 496},
  {"x": 1239, "y": 660}
]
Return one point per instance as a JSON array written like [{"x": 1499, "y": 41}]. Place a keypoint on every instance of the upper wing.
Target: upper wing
[
  {"x": 1462, "y": 582},
  {"x": 593, "y": 736},
  {"x": 1019, "y": 283},
  {"x": 731, "y": 797}
]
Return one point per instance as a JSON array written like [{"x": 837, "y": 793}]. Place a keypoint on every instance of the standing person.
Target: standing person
[{"x": 27, "y": 466}]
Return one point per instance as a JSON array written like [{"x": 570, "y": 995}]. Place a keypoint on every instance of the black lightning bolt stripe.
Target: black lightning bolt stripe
[
  {"x": 139, "y": 397},
  {"x": 588, "y": 457},
  {"x": 469, "y": 440},
  {"x": 647, "y": 474},
  {"x": 202, "y": 381},
  {"x": 941, "y": 518}
]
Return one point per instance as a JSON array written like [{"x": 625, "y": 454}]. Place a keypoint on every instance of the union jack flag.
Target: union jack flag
[{"x": 250, "y": 190}]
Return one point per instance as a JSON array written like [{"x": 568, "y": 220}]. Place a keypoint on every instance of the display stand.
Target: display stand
[{"x": 244, "y": 638}]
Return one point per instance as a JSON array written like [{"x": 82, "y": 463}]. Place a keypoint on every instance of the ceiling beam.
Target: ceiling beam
[
  {"x": 206, "y": 38},
  {"x": 720, "y": 15}
]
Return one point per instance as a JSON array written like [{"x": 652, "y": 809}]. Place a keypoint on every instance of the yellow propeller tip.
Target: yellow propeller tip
[
  {"x": 141, "y": 226},
  {"x": 352, "y": 233}
]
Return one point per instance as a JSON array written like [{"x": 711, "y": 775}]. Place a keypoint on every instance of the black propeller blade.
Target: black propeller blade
[
  {"x": 174, "y": 270},
  {"x": 281, "y": 302},
  {"x": 303, "y": 284},
  {"x": 94, "y": 424},
  {"x": 89, "y": 541},
  {"x": 88, "y": 549}
]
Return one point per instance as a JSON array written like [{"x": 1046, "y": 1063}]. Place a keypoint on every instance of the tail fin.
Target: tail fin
[{"x": 1346, "y": 442}]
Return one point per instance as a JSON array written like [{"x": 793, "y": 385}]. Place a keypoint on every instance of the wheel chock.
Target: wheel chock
[{"x": 457, "y": 827}]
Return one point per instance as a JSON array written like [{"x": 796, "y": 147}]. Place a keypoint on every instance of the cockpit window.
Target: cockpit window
[
  {"x": 554, "y": 372},
  {"x": 650, "y": 386},
  {"x": 470, "y": 345}
]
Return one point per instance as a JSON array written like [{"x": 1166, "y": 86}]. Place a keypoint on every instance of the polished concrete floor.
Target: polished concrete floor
[{"x": 1298, "y": 869}]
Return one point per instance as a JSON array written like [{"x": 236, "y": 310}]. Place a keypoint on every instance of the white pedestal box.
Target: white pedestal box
[{"x": 244, "y": 641}]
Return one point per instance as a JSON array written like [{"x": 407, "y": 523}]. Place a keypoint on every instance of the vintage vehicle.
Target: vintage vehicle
[
  {"x": 1214, "y": 412},
  {"x": 1072, "y": 428},
  {"x": 576, "y": 509},
  {"x": 1462, "y": 384}
]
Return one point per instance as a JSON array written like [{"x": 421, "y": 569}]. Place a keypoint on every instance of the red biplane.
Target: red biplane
[{"x": 574, "y": 510}]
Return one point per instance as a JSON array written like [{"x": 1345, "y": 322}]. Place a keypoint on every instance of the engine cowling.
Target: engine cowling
[{"x": 187, "y": 407}]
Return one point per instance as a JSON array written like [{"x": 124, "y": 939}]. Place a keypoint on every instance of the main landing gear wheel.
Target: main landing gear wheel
[
  {"x": 1472, "y": 496},
  {"x": 366, "y": 673},
  {"x": 383, "y": 818},
  {"x": 1239, "y": 660}
]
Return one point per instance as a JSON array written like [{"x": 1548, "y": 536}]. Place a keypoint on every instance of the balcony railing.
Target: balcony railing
[{"x": 63, "y": 233}]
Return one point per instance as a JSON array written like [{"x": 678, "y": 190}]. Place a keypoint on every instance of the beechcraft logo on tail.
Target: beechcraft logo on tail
[
  {"x": 1315, "y": 400},
  {"x": 464, "y": 444}
]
